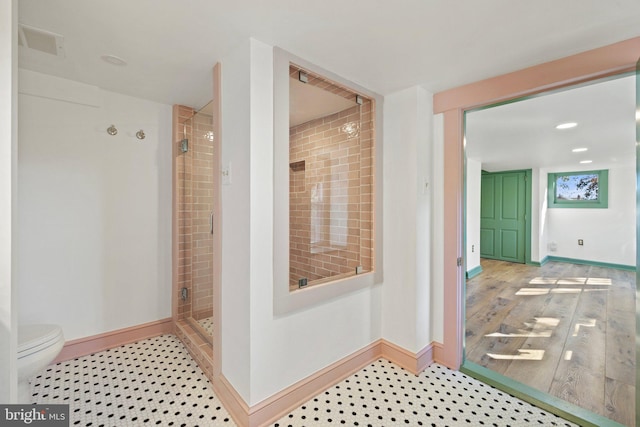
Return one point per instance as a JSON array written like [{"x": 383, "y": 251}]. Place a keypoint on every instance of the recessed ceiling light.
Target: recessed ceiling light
[
  {"x": 579, "y": 150},
  {"x": 113, "y": 60},
  {"x": 568, "y": 125},
  {"x": 584, "y": 162}
]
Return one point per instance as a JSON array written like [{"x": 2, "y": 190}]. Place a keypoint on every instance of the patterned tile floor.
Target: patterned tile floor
[
  {"x": 207, "y": 324},
  {"x": 151, "y": 382},
  {"x": 383, "y": 394},
  {"x": 156, "y": 382}
]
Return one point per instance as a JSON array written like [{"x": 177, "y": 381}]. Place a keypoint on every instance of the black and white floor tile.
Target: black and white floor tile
[
  {"x": 156, "y": 382},
  {"x": 383, "y": 394},
  {"x": 151, "y": 382}
]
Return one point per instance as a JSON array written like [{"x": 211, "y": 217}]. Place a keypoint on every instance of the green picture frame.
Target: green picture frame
[{"x": 582, "y": 189}]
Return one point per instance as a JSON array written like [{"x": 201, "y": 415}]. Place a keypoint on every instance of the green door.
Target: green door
[{"x": 502, "y": 216}]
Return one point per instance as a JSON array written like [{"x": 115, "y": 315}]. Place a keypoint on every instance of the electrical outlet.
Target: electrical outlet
[{"x": 580, "y": 242}]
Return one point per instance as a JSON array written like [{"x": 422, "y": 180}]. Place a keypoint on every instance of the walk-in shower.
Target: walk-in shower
[{"x": 195, "y": 213}]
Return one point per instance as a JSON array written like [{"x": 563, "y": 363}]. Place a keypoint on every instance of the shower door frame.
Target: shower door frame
[
  {"x": 216, "y": 355},
  {"x": 216, "y": 221}
]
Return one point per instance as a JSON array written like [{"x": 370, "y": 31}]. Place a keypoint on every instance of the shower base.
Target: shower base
[{"x": 207, "y": 324}]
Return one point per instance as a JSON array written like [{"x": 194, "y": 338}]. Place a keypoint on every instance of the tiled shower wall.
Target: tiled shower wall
[
  {"x": 183, "y": 171},
  {"x": 202, "y": 189},
  {"x": 331, "y": 192},
  {"x": 194, "y": 183}
]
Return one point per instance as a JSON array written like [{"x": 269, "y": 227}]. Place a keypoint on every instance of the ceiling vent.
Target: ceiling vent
[{"x": 41, "y": 40}]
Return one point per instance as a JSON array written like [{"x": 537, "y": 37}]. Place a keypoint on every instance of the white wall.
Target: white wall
[
  {"x": 406, "y": 293},
  {"x": 235, "y": 216},
  {"x": 437, "y": 230},
  {"x": 608, "y": 234},
  {"x": 94, "y": 209},
  {"x": 8, "y": 200},
  {"x": 424, "y": 195},
  {"x": 611, "y": 231},
  {"x": 474, "y": 186},
  {"x": 538, "y": 217},
  {"x": 281, "y": 349}
]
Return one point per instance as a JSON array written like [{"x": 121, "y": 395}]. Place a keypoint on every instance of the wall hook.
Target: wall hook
[
  {"x": 140, "y": 134},
  {"x": 111, "y": 130}
]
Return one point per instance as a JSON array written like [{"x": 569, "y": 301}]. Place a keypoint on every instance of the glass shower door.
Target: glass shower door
[{"x": 196, "y": 216}]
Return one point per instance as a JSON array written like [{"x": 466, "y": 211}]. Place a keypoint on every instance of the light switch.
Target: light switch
[{"x": 226, "y": 174}]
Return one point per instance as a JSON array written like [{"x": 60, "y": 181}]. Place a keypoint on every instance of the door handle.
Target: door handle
[{"x": 211, "y": 222}]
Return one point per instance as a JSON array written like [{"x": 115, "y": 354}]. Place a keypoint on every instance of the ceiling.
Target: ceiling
[
  {"x": 170, "y": 46},
  {"x": 308, "y": 102},
  {"x": 523, "y": 135}
]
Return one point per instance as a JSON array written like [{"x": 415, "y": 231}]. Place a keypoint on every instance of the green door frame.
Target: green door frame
[{"x": 637, "y": 239}]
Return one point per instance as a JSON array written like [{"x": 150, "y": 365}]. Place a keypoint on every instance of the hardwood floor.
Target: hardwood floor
[{"x": 565, "y": 329}]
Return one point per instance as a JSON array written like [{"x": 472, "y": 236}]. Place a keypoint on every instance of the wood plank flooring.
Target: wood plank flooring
[{"x": 565, "y": 329}]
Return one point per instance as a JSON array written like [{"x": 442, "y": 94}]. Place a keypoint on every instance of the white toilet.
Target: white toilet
[{"x": 38, "y": 346}]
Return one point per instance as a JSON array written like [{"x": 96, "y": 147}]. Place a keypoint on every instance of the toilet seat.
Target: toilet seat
[{"x": 35, "y": 338}]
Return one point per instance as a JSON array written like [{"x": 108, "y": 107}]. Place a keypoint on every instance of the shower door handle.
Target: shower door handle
[{"x": 211, "y": 222}]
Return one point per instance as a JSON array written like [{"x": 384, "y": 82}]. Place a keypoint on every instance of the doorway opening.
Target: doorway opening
[{"x": 563, "y": 323}]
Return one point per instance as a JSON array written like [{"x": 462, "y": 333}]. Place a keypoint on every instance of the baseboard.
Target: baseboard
[
  {"x": 285, "y": 401},
  {"x": 232, "y": 401},
  {"x": 412, "y": 362},
  {"x": 593, "y": 263},
  {"x": 92, "y": 344},
  {"x": 438, "y": 352},
  {"x": 474, "y": 272},
  {"x": 539, "y": 263}
]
